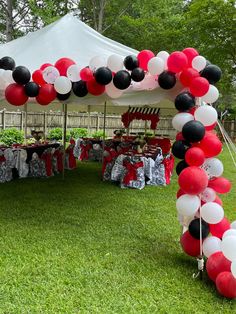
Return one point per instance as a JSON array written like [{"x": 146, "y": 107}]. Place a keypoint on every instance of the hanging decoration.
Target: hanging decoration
[{"x": 145, "y": 114}]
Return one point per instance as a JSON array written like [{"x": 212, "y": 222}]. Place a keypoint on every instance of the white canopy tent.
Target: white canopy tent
[{"x": 69, "y": 37}]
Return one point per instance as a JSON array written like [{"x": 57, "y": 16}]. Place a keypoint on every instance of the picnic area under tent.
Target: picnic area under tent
[{"x": 141, "y": 85}]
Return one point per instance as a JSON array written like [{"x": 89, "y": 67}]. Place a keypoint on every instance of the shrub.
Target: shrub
[
  {"x": 11, "y": 136},
  {"x": 78, "y": 133},
  {"x": 98, "y": 134},
  {"x": 56, "y": 134}
]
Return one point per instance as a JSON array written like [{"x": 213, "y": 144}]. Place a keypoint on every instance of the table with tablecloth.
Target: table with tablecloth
[{"x": 41, "y": 160}]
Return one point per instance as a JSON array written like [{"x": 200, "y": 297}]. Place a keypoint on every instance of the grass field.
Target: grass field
[{"x": 85, "y": 246}]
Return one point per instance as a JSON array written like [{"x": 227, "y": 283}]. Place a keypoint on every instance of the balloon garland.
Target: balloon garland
[{"x": 200, "y": 210}]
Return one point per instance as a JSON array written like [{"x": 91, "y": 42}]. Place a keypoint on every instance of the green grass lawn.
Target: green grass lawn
[{"x": 85, "y": 246}]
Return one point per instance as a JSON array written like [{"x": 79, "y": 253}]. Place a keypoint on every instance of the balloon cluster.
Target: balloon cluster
[
  {"x": 7, "y": 65},
  {"x": 200, "y": 209},
  {"x": 113, "y": 76}
]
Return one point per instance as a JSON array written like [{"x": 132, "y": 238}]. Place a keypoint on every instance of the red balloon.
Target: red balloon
[
  {"x": 180, "y": 193},
  {"x": 199, "y": 86},
  {"x": 86, "y": 74},
  {"x": 15, "y": 94},
  {"x": 177, "y": 61},
  {"x": 220, "y": 185},
  {"x": 218, "y": 200},
  {"x": 94, "y": 88},
  {"x": 187, "y": 75},
  {"x": 193, "y": 180},
  {"x": 216, "y": 264},
  {"x": 195, "y": 156},
  {"x": 37, "y": 77},
  {"x": 63, "y": 64},
  {"x": 191, "y": 53},
  {"x": 226, "y": 284},
  {"x": 46, "y": 94},
  {"x": 192, "y": 110},
  {"x": 210, "y": 145},
  {"x": 219, "y": 229},
  {"x": 45, "y": 65},
  {"x": 179, "y": 137},
  {"x": 190, "y": 245},
  {"x": 143, "y": 57}
]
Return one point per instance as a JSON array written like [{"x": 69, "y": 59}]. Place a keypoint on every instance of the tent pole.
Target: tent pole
[
  {"x": 89, "y": 119},
  {"x": 26, "y": 122},
  {"x": 104, "y": 129},
  {"x": 64, "y": 137}
]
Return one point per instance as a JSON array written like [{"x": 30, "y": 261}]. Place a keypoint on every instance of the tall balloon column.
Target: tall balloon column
[{"x": 207, "y": 233}]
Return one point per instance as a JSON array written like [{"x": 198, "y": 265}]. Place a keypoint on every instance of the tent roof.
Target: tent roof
[{"x": 69, "y": 37}]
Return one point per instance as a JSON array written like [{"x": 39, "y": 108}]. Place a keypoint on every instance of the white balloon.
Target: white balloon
[
  {"x": 50, "y": 74},
  {"x": 213, "y": 167},
  {"x": 212, "y": 212},
  {"x": 6, "y": 79},
  {"x": 156, "y": 66},
  {"x": 97, "y": 62},
  {"x": 112, "y": 91},
  {"x": 185, "y": 220},
  {"x": 115, "y": 63},
  {"x": 229, "y": 232},
  {"x": 208, "y": 195},
  {"x": 233, "y": 269},
  {"x": 180, "y": 119},
  {"x": 62, "y": 85},
  {"x": 228, "y": 247},
  {"x": 211, "y": 245},
  {"x": 199, "y": 63},
  {"x": 164, "y": 55},
  {"x": 233, "y": 225},
  {"x": 73, "y": 73},
  {"x": 212, "y": 95},
  {"x": 187, "y": 205},
  {"x": 206, "y": 114},
  {"x": 149, "y": 82}
]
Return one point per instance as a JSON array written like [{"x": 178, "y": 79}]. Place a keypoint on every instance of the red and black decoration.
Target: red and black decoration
[{"x": 145, "y": 114}]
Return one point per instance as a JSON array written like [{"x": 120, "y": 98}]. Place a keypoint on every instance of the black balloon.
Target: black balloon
[
  {"x": 167, "y": 80},
  {"x": 212, "y": 73},
  {"x": 32, "y": 89},
  {"x": 7, "y": 63},
  {"x": 184, "y": 101},
  {"x": 63, "y": 96},
  {"x": 131, "y": 62},
  {"x": 193, "y": 131},
  {"x": 179, "y": 149},
  {"x": 137, "y": 74},
  {"x": 80, "y": 88},
  {"x": 194, "y": 228},
  {"x": 21, "y": 75},
  {"x": 122, "y": 79},
  {"x": 103, "y": 75},
  {"x": 181, "y": 166}
]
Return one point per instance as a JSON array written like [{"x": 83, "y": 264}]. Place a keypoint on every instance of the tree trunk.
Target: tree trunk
[
  {"x": 101, "y": 15},
  {"x": 9, "y": 21}
]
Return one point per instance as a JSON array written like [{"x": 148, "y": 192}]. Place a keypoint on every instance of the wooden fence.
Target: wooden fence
[{"x": 93, "y": 122}]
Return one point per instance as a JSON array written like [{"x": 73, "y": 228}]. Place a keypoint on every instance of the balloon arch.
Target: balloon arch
[{"x": 207, "y": 233}]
